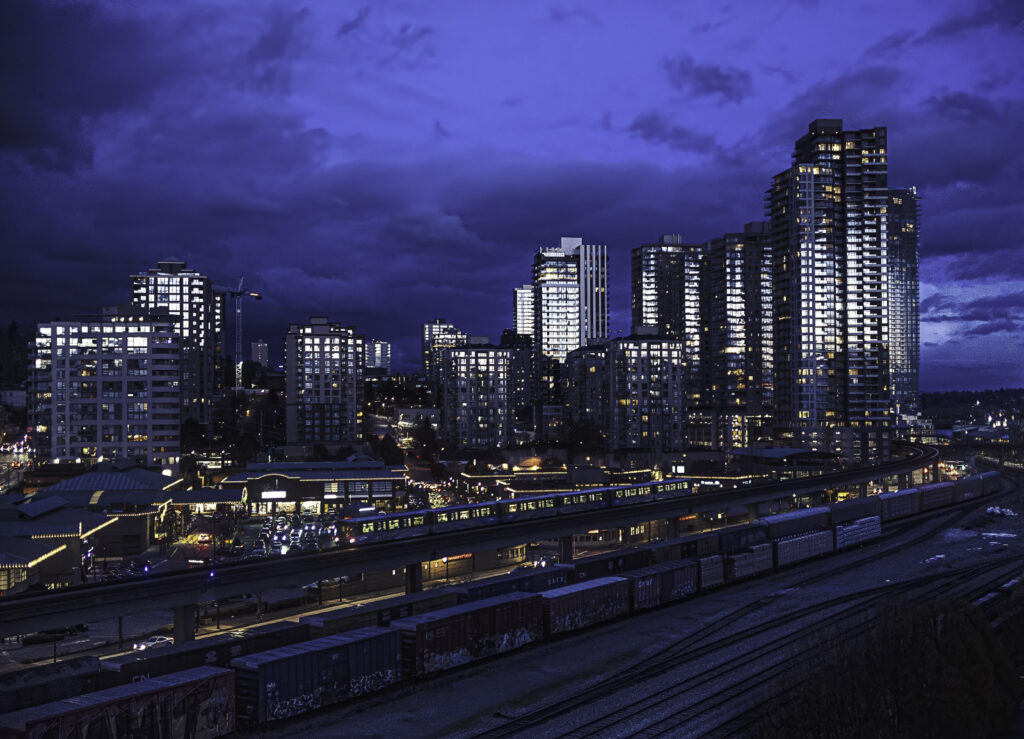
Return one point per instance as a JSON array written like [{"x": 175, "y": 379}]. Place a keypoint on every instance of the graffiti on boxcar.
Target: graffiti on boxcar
[{"x": 369, "y": 683}]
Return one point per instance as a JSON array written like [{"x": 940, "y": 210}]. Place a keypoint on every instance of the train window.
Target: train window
[
  {"x": 441, "y": 516},
  {"x": 546, "y": 503},
  {"x": 417, "y": 520}
]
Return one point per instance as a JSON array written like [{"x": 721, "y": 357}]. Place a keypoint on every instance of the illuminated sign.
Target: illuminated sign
[{"x": 273, "y": 494}]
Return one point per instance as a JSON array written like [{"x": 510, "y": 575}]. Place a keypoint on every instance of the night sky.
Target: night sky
[{"x": 391, "y": 163}]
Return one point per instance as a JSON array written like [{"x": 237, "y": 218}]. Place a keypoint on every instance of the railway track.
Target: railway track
[
  {"x": 753, "y": 672},
  {"x": 702, "y": 642}
]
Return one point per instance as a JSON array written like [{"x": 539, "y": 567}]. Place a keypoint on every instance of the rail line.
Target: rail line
[{"x": 695, "y": 645}]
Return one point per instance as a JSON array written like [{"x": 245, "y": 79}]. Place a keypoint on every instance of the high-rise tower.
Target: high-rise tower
[
  {"x": 902, "y": 234},
  {"x": 831, "y": 292},
  {"x": 737, "y": 301},
  {"x": 190, "y": 296}
]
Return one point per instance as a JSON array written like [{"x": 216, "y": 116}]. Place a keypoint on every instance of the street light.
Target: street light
[{"x": 445, "y": 560}]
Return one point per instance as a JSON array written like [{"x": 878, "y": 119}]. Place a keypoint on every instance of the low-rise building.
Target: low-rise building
[{"x": 316, "y": 487}]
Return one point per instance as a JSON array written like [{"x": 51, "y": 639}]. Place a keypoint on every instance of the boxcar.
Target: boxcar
[
  {"x": 530, "y": 580},
  {"x": 585, "y": 604},
  {"x": 32, "y": 686},
  {"x": 690, "y": 546},
  {"x": 736, "y": 538},
  {"x": 967, "y": 488},
  {"x": 197, "y": 703},
  {"x": 990, "y": 482},
  {"x": 213, "y": 650},
  {"x": 711, "y": 570},
  {"x": 661, "y": 583},
  {"x": 852, "y": 509},
  {"x": 797, "y": 522},
  {"x": 379, "y": 613},
  {"x": 748, "y": 562},
  {"x": 857, "y": 532},
  {"x": 455, "y": 636},
  {"x": 291, "y": 680},
  {"x": 936, "y": 495},
  {"x": 803, "y": 547},
  {"x": 900, "y": 504},
  {"x": 612, "y": 563}
]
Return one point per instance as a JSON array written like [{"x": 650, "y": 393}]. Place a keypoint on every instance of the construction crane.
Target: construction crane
[{"x": 237, "y": 294}]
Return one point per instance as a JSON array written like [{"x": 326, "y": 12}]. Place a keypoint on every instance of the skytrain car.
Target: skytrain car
[
  {"x": 670, "y": 489},
  {"x": 463, "y": 516},
  {"x": 385, "y": 528},
  {"x": 582, "y": 500},
  {"x": 519, "y": 509},
  {"x": 631, "y": 494}
]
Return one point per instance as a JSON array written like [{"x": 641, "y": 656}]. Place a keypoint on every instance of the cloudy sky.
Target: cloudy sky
[{"x": 388, "y": 163}]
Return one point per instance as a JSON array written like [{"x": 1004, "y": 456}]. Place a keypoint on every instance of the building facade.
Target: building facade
[
  {"x": 108, "y": 386},
  {"x": 437, "y": 336},
  {"x": 190, "y": 296},
  {"x": 737, "y": 301},
  {"x": 378, "y": 356},
  {"x": 522, "y": 310},
  {"x": 261, "y": 353},
  {"x": 903, "y": 220},
  {"x": 656, "y": 271},
  {"x": 831, "y": 292},
  {"x": 324, "y": 365},
  {"x": 476, "y": 397},
  {"x": 647, "y": 394}
]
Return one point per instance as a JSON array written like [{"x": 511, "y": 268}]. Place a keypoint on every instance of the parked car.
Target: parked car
[{"x": 152, "y": 643}]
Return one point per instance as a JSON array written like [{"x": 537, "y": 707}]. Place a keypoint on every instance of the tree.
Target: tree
[
  {"x": 929, "y": 670},
  {"x": 389, "y": 451},
  {"x": 426, "y": 438}
]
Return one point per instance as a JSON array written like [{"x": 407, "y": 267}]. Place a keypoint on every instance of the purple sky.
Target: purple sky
[{"x": 390, "y": 163}]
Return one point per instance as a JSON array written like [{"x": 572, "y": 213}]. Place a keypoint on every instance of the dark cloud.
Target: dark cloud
[
  {"x": 353, "y": 23},
  {"x": 271, "y": 55},
  {"x": 1001, "y": 325},
  {"x": 935, "y": 307},
  {"x": 706, "y": 80},
  {"x": 580, "y": 13},
  {"x": 1007, "y": 15},
  {"x": 410, "y": 47},
  {"x": 440, "y": 132},
  {"x": 61, "y": 67},
  {"x": 654, "y": 128}
]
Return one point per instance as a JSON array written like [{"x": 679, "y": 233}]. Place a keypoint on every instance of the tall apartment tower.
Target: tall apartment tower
[
  {"x": 737, "y": 287},
  {"x": 108, "y": 386},
  {"x": 655, "y": 272},
  {"x": 570, "y": 310},
  {"x": 903, "y": 219},
  {"x": 647, "y": 394},
  {"x": 522, "y": 310},
  {"x": 378, "y": 356},
  {"x": 437, "y": 336},
  {"x": 261, "y": 353},
  {"x": 190, "y": 296},
  {"x": 666, "y": 301},
  {"x": 476, "y": 396},
  {"x": 324, "y": 365},
  {"x": 570, "y": 297},
  {"x": 832, "y": 292}
]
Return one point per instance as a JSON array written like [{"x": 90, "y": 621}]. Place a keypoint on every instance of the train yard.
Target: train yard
[
  {"x": 694, "y": 660},
  {"x": 711, "y": 663}
]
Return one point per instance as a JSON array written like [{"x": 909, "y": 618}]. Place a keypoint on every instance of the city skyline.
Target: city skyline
[{"x": 441, "y": 156}]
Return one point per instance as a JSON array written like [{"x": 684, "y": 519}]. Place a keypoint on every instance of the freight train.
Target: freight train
[{"x": 211, "y": 686}]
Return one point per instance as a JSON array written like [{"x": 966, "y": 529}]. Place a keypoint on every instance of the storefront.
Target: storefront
[{"x": 311, "y": 488}]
